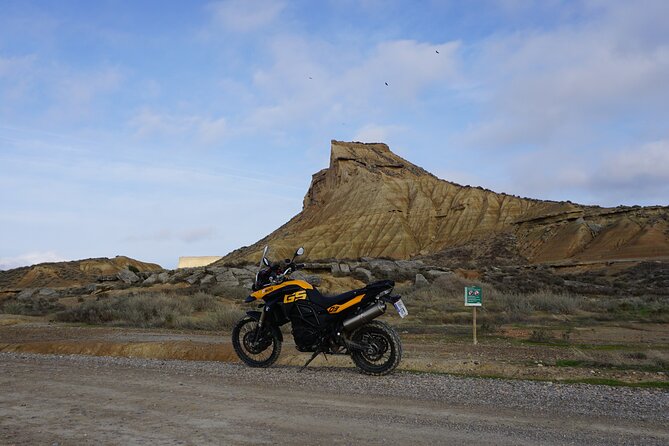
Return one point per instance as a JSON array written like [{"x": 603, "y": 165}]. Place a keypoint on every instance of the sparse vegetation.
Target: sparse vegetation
[
  {"x": 442, "y": 301},
  {"x": 38, "y": 306},
  {"x": 540, "y": 335},
  {"x": 133, "y": 268},
  {"x": 201, "y": 311},
  {"x": 236, "y": 294}
]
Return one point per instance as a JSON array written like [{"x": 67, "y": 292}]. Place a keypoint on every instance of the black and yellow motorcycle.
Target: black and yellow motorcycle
[{"x": 342, "y": 324}]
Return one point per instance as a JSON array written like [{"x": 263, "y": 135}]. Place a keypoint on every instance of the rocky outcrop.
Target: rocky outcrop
[
  {"x": 71, "y": 274},
  {"x": 372, "y": 203}
]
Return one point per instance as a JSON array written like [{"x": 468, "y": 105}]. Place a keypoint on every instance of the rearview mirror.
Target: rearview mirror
[
  {"x": 299, "y": 251},
  {"x": 265, "y": 261}
]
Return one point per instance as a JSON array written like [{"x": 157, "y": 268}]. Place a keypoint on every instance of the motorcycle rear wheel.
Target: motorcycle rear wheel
[
  {"x": 383, "y": 349},
  {"x": 255, "y": 349}
]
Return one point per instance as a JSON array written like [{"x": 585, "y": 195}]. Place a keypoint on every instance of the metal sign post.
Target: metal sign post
[{"x": 473, "y": 298}]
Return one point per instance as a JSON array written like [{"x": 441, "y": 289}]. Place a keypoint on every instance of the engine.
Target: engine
[{"x": 306, "y": 328}]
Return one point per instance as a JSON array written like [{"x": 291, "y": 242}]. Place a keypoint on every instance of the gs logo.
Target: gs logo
[{"x": 290, "y": 298}]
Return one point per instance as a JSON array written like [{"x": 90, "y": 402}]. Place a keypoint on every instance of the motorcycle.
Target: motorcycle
[{"x": 336, "y": 325}]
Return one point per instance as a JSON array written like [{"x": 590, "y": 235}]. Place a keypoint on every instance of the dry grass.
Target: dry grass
[
  {"x": 37, "y": 306},
  {"x": 443, "y": 301},
  {"x": 200, "y": 312}
]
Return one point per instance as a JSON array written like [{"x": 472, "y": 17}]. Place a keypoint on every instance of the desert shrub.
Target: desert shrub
[
  {"x": 489, "y": 326},
  {"x": 204, "y": 302},
  {"x": 148, "y": 310},
  {"x": 540, "y": 335},
  {"x": 566, "y": 335},
  {"x": 507, "y": 307},
  {"x": 237, "y": 293},
  {"x": 224, "y": 318},
  {"x": 554, "y": 302},
  {"x": 155, "y": 310},
  {"x": 133, "y": 268},
  {"x": 93, "y": 312},
  {"x": 650, "y": 308},
  {"x": 31, "y": 307},
  {"x": 450, "y": 284}
]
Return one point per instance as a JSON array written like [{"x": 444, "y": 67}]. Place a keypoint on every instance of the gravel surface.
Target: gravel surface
[{"x": 189, "y": 402}]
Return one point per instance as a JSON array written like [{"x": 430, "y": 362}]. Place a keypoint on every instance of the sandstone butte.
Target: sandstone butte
[{"x": 372, "y": 203}]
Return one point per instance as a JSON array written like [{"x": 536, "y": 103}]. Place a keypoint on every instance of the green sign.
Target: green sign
[{"x": 473, "y": 296}]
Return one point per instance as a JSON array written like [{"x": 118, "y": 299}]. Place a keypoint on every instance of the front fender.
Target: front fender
[{"x": 255, "y": 315}]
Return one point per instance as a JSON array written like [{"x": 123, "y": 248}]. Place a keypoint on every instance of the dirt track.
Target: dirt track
[
  {"x": 63, "y": 400},
  {"x": 492, "y": 357}
]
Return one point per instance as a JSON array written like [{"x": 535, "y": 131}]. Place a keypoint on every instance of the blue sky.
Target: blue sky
[{"x": 156, "y": 129}]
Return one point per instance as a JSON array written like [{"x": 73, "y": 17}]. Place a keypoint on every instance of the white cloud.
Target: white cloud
[
  {"x": 634, "y": 175},
  {"x": 29, "y": 258},
  {"x": 646, "y": 165},
  {"x": 375, "y": 132},
  {"x": 80, "y": 89},
  {"x": 16, "y": 77},
  {"x": 535, "y": 87},
  {"x": 15, "y": 65},
  {"x": 313, "y": 79},
  {"x": 60, "y": 91},
  {"x": 206, "y": 130},
  {"x": 406, "y": 66},
  {"x": 246, "y": 15},
  {"x": 189, "y": 235}
]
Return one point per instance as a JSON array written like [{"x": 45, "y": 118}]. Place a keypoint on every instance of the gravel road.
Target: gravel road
[{"x": 71, "y": 400}]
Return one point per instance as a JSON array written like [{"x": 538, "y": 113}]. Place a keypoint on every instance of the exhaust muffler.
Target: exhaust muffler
[{"x": 370, "y": 313}]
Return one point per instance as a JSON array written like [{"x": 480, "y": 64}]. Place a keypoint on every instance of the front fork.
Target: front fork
[{"x": 261, "y": 321}]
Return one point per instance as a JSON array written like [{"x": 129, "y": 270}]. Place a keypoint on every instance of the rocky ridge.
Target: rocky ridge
[
  {"x": 72, "y": 274},
  {"x": 372, "y": 203}
]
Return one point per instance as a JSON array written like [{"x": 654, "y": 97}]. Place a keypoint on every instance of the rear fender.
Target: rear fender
[
  {"x": 392, "y": 298},
  {"x": 255, "y": 315}
]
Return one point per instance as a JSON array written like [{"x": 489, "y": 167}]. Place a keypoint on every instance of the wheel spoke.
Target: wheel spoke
[
  {"x": 381, "y": 351},
  {"x": 259, "y": 352}
]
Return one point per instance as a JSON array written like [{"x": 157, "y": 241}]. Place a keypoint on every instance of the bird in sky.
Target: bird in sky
[
  {"x": 386, "y": 84},
  {"x": 436, "y": 51}
]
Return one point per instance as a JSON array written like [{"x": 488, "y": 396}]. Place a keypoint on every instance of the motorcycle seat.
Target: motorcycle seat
[{"x": 326, "y": 301}]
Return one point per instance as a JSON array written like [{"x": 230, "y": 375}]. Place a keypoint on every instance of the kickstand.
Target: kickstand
[{"x": 316, "y": 353}]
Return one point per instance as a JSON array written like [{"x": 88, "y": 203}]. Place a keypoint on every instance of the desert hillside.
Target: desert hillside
[
  {"x": 372, "y": 203},
  {"x": 69, "y": 274}
]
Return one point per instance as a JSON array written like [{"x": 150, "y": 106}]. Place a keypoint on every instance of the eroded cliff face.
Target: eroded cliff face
[{"x": 372, "y": 203}]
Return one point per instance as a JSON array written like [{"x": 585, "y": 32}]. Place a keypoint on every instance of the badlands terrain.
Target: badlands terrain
[{"x": 573, "y": 333}]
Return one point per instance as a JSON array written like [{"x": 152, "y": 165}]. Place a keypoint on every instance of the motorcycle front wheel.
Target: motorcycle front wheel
[
  {"x": 256, "y": 348},
  {"x": 382, "y": 350}
]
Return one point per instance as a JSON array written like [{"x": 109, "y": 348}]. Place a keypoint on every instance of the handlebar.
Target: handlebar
[{"x": 292, "y": 268}]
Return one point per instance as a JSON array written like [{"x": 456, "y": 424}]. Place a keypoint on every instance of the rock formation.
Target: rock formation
[
  {"x": 372, "y": 203},
  {"x": 68, "y": 274}
]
